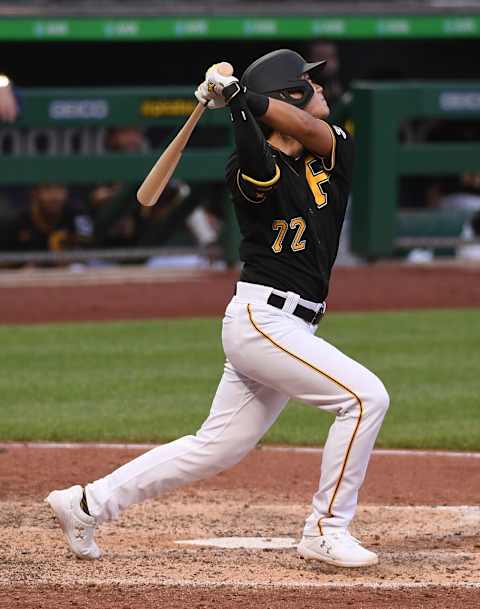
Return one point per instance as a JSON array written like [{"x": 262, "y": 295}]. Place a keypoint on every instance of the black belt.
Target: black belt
[{"x": 305, "y": 313}]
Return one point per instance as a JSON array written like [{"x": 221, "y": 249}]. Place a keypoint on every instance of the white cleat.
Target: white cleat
[
  {"x": 337, "y": 548},
  {"x": 77, "y": 526}
]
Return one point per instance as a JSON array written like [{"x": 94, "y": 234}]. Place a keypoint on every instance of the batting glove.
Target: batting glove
[
  {"x": 209, "y": 98},
  {"x": 222, "y": 85}
]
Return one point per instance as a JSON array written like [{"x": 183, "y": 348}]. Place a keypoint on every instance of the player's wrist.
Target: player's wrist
[
  {"x": 231, "y": 91},
  {"x": 256, "y": 103}
]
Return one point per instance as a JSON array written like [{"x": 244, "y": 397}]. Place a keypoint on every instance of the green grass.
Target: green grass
[{"x": 153, "y": 381}]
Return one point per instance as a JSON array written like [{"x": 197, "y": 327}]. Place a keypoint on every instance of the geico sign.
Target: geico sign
[{"x": 65, "y": 109}]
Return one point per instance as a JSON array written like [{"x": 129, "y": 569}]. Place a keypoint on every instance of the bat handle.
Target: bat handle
[{"x": 158, "y": 177}]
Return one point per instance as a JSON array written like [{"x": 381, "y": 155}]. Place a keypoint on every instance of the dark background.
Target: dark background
[{"x": 184, "y": 63}]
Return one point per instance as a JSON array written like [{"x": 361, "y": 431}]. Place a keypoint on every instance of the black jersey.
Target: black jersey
[{"x": 291, "y": 225}]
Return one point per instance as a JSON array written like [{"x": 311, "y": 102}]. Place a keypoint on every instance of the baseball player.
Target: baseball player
[{"x": 290, "y": 178}]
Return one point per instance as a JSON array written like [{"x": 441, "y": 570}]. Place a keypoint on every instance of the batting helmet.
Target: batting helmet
[{"x": 279, "y": 73}]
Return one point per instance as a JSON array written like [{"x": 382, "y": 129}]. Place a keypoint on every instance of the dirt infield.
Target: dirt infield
[
  {"x": 392, "y": 479},
  {"x": 419, "y": 513},
  {"x": 412, "y": 512},
  {"x": 139, "y": 293}
]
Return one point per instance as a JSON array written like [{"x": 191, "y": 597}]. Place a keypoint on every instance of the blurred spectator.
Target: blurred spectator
[
  {"x": 126, "y": 139},
  {"x": 461, "y": 192},
  {"x": 471, "y": 232},
  {"x": 51, "y": 221},
  {"x": 120, "y": 221},
  {"x": 9, "y": 108},
  {"x": 116, "y": 218}
]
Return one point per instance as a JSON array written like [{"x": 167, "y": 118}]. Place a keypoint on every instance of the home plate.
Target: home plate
[{"x": 250, "y": 543}]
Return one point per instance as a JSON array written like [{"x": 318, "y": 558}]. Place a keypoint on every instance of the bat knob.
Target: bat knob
[{"x": 224, "y": 68}]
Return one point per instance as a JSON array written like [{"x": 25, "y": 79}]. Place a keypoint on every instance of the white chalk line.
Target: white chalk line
[
  {"x": 103, "y": 276},
  {"x": 385, "y": 452},
  {"x": 289, "y": 543}
]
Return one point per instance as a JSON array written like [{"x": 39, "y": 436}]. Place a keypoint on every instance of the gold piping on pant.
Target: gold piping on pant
[{"x": 350, "y": 391}]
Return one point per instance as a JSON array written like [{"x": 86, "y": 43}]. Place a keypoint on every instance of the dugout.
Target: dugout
[{"x": 380, "y": 112}]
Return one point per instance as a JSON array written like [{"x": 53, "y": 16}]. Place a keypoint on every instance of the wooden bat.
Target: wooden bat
[{"x": 154, "y": 184}]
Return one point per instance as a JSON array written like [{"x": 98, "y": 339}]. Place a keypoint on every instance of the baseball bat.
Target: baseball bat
[{"x": 154, "y": 184}]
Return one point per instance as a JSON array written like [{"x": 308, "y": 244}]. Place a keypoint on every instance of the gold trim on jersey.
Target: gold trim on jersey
[
  {"x": 260, "y": 197},
  {"x": 266, "y": 184},
  {"x": 332, "y": 152},
  {"x": 339, "y": 384}
]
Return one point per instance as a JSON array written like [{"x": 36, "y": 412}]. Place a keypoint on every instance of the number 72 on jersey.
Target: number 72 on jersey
[{"x": 296, "y": 224}]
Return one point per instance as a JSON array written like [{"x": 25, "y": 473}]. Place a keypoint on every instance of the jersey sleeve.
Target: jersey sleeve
[
  {"x": 257, "y": 171},
  {"x": 340, "y": 159},
  {"x": 244, "y": 187}
]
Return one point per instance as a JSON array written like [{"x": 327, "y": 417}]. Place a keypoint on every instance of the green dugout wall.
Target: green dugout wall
[{"x": 59, "y": 114}]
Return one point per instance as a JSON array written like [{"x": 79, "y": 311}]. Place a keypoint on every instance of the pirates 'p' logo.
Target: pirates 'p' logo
[{"x": 316, "y": 176}]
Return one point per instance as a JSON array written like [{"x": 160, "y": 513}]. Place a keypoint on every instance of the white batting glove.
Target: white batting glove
[
  {"x": 216, "y": 82},
  {"x": 209, "y": 98}
]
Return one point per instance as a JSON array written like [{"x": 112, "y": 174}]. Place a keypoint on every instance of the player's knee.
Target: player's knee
[
  {"x": 379, "y": 398},
  {"x": 236, "y": 449},
  {"x": 222, "y": 452},
  {"x": 228, "y": 456}
]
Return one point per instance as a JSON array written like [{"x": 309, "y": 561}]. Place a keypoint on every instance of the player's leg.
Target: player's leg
[
  {"x": 297, "y": 363},
  {"x": 242, "y": 411}
]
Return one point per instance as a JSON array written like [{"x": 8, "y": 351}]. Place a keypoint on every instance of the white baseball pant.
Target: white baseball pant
[{"x": 272, "y": 356}]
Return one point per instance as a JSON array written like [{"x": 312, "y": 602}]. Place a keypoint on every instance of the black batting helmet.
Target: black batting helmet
[{"x": 279, "y": 73}]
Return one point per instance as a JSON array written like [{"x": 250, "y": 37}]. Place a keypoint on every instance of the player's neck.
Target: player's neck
[{"x": 288, "y": 145}]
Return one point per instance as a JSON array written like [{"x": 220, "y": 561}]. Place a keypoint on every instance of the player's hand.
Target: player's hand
[
  {"x": 209, "y": 98},
  {"x": 227, "y": 86}
]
